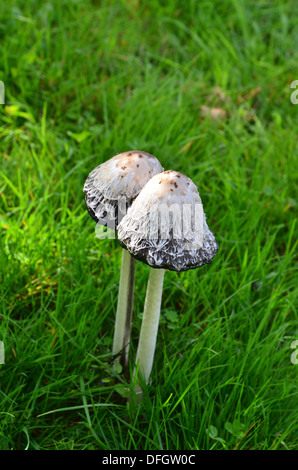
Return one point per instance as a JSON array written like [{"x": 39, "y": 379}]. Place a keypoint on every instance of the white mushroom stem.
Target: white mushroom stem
[
  {"x": 124, "y": 308},
  {"x": 148, "y": 335}
]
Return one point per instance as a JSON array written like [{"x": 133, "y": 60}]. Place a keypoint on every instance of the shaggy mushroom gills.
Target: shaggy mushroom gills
[
  {"x": 109, "y": 191},
  {"x": 166, "y": 228}
]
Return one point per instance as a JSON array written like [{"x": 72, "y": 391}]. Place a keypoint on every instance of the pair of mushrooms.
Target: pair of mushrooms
[{"x": 160, "y": 221}]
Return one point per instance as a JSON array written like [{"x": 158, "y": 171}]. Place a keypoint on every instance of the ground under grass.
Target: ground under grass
[{"x": 85, "y": 80}]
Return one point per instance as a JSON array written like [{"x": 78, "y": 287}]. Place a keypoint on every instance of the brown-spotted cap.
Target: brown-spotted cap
[
  {"x": 166, "y": 227},
  {"x": 120, "y": 178}
]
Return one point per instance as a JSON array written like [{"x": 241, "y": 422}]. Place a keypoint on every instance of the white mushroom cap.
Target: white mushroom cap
[
  {"x": 123, "y": 176},
  {"x": 166, "y": 227}
]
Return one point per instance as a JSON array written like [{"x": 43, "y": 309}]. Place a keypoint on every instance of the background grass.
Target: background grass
[{"x": 86, "y": 80}]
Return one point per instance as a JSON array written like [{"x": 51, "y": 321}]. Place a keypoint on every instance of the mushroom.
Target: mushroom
[
  {"x": 109, "y": 190},
  {"x": 166, "y": 228}
]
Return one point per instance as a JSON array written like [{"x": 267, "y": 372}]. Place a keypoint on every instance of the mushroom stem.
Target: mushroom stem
[
  {"x": 124, "y": 308},
  {"x": 148, "y": 334}
]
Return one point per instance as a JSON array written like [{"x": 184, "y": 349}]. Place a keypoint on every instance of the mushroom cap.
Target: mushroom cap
[
  {"x": 116, "y": 183},
  {"x": 165, "y": 227}
]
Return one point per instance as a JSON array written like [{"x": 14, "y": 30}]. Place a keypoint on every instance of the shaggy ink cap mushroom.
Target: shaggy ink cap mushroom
[
  {"x": 119, "y": 179},
  {"x": 109, "y": 190},
  {"x": 166, "y": 227}
]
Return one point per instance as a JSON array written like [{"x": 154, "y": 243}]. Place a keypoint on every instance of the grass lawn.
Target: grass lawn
[{"x": 205, "y": 87}]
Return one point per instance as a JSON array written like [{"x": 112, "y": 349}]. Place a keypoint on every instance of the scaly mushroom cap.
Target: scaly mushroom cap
[
  {"x": 121, "y": 177},
  {"x": 165, "y": 227}
]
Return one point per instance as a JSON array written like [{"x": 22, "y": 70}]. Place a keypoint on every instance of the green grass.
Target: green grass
[{"x": 85, "y": 80}]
